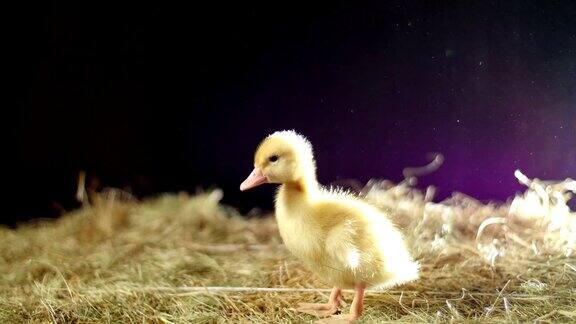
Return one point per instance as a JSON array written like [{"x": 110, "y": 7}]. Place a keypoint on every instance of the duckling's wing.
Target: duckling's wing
[{"x": 340, "y": 245}]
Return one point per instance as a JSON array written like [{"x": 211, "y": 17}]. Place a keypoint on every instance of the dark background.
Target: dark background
[{"x": 167, "y": 97}]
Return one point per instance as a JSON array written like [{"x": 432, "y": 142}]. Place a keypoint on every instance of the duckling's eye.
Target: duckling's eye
[{"x": 273, "y": 158}]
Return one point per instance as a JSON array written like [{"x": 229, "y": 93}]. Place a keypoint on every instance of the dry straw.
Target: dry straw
[{"x": 181, "y": 258}]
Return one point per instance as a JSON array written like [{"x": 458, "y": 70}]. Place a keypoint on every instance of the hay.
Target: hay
[{"x": 181, "y": 258}]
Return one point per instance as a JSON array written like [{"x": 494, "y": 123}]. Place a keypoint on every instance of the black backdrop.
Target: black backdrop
[{"x": 167, "y": 97}]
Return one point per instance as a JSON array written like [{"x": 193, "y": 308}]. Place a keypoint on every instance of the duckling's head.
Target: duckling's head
[{"x": 283, "y": 157}]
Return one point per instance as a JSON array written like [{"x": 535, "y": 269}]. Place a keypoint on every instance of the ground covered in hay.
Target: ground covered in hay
[{"x": 187, "y": 258}]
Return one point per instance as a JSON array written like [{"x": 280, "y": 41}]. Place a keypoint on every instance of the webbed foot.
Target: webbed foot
[{"x": 319, "y": 310}]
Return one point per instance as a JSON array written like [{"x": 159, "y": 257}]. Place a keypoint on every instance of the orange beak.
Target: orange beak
[{"x": 255, "y": 179}]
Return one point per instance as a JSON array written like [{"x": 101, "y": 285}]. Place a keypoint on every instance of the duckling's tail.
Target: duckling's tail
[{"x": 410, "y": 271}]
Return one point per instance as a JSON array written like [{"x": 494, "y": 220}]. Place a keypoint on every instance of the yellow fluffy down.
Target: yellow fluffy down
[{"x": 344, "y": 240}]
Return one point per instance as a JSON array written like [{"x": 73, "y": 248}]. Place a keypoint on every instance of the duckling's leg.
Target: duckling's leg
[
  {"x": 355, "y": 309},
  {"x": 327, "y": 309}
]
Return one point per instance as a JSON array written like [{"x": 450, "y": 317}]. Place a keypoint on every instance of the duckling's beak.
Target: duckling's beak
[{"x": 255, "y": 178}]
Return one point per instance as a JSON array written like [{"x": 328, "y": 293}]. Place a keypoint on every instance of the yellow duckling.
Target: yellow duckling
[{"x": 346, "y": 241}]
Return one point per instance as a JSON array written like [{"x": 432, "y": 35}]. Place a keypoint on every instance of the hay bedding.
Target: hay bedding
[{"x": 180, "y": 258}]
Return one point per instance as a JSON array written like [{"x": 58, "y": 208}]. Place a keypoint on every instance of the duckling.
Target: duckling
[{"x": 346, "y": 241}]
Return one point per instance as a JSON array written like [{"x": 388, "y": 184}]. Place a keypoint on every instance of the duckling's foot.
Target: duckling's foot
[
  {"x": 339, "y": 319},
  {"x": 319, "y": 310},
  {"x": 355, "y": 308},
  {"x": 327, "y": 309}
]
